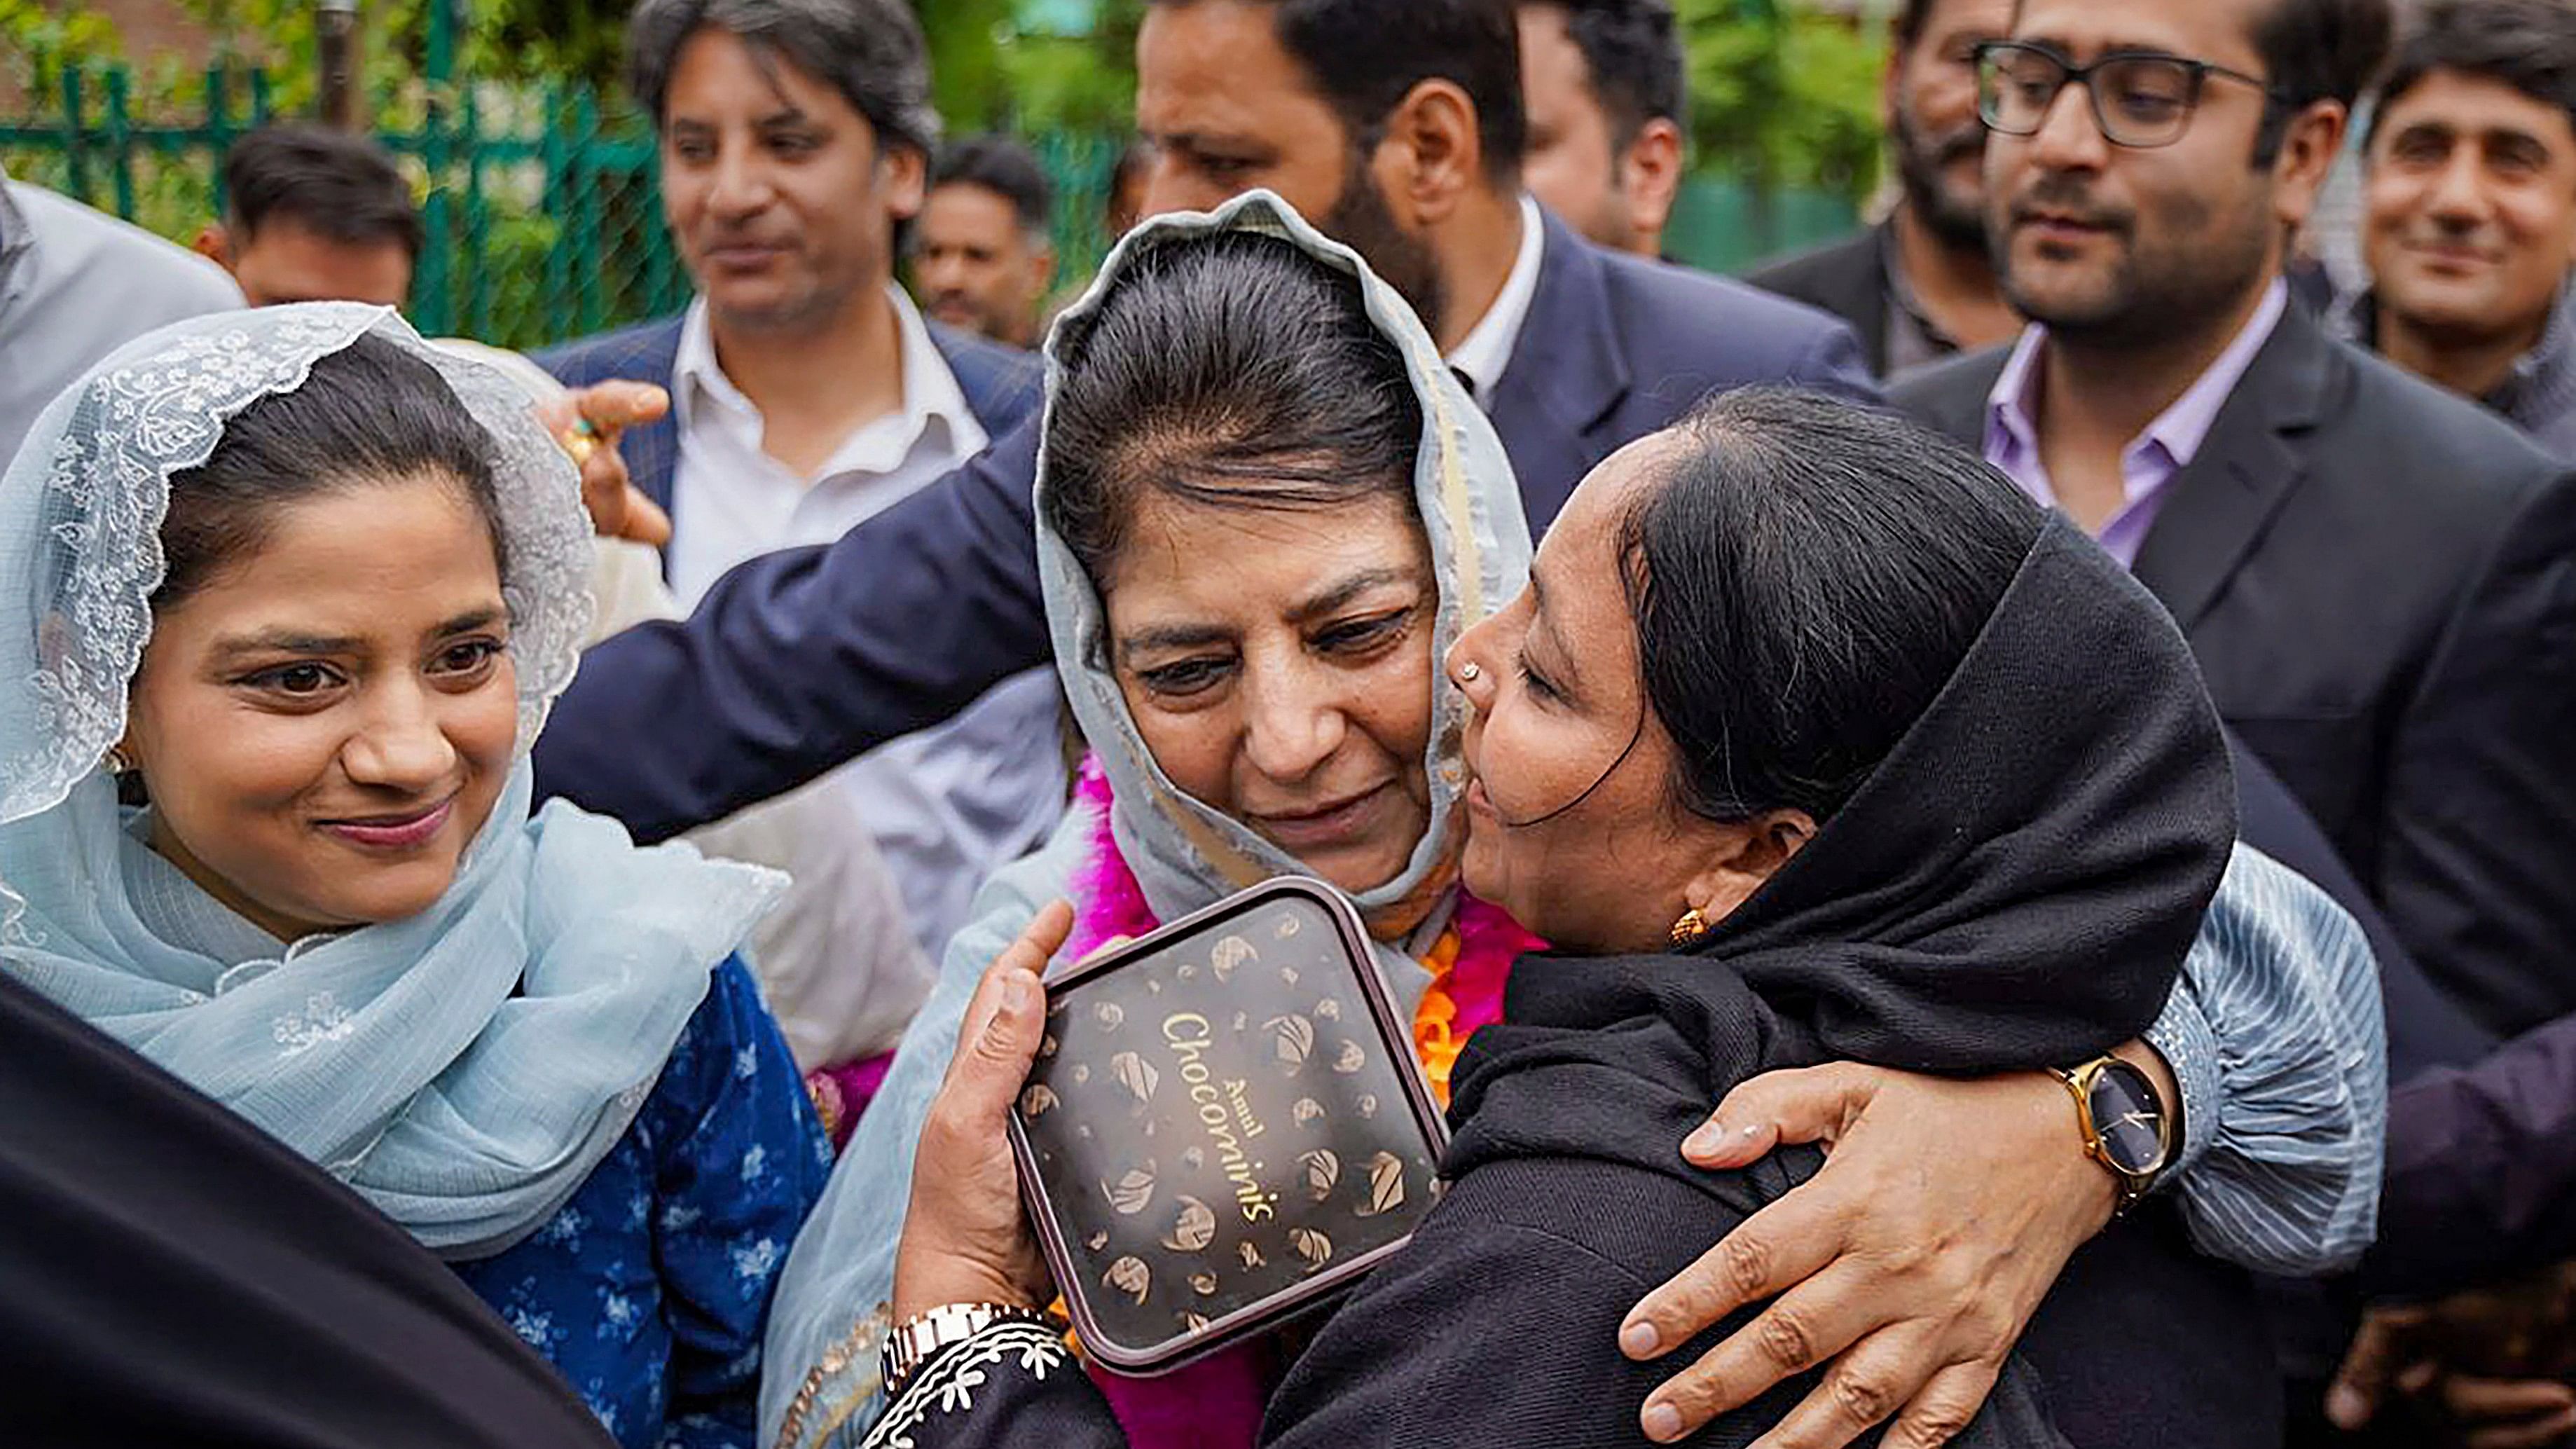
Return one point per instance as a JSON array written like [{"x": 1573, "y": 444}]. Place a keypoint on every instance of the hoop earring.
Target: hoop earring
[
  {"x": 118, "y": 761},
  {"x": 1690, "y": 930}
]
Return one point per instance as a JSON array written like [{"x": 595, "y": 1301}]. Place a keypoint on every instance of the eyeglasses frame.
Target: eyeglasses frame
[{"x": 2199, "y": 70}]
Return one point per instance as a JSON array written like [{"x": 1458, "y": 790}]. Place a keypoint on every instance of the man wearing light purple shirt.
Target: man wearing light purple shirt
[
  {"x": 2377, "y": 578},
  {"x": 2375, "y": 575},
  {"x": 2150, "y": 461}
]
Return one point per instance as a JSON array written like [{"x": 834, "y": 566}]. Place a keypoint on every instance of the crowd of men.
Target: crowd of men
[{"x": 2097, "y": 269}]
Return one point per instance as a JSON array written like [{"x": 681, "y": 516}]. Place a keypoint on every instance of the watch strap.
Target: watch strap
[{"x": 920, "y": 1338}]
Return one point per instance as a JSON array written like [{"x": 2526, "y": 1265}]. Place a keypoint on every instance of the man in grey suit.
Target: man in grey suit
[{"x": 2379, "y": 578}]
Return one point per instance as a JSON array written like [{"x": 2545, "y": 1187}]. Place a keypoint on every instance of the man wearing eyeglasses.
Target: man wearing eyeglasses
[{"x": 2379, "y": 578}]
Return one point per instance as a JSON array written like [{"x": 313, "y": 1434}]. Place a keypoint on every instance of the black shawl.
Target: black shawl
[
  {"x": 2015, "y": 886},
  {"x": 170, "y": 1275}
]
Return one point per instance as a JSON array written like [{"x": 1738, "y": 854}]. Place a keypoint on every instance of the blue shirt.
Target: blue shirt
[{"x": 650, "y": 1289}]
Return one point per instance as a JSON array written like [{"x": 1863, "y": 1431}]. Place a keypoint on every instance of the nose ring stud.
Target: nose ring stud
[{"x": 1470, "y": 672}]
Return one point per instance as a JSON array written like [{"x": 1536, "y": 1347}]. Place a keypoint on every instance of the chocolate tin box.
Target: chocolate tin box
[{"x": 1224, "y": 1127}]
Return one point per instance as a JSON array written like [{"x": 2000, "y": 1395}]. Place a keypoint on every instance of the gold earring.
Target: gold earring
[
  {"x": 118, "y": 761},
  {"x": 1690, "y": 930}
]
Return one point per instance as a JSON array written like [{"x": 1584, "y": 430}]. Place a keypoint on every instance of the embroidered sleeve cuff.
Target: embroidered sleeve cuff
[{"x": 941, "y": 1400}]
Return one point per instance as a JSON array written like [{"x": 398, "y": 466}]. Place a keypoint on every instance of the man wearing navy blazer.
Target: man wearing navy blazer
[
  {"x": 803, "y": 659},
  {"x": 809, "y": 395},
  {"x": 1000, "y": 385}
]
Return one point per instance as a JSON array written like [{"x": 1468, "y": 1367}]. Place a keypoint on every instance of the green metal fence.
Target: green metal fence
[
  {"x": 543, "y": 222},
  {"x": 542, "y": 213}
]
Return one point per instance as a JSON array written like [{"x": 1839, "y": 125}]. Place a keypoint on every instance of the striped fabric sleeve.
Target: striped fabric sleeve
[{"x": 2275, "y": 1037}]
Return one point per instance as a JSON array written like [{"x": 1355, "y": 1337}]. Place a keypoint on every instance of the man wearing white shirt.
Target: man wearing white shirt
[{"x": 807, "y": 394}]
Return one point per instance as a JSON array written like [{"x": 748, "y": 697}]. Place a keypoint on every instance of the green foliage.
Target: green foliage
[
  {"x": 39, "y": 39},
  {"x": 996, "y": 72},
  {"x": 1784, "y": 98},
  {"x": 574, "y": 40},
  {"x": 506, "y": 43}
]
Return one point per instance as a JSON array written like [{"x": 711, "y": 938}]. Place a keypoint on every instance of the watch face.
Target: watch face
[{"x": 2128, "y": 1118}]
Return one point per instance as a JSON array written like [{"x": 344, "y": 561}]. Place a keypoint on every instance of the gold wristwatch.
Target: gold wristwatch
[
  {"x": 918, "y": 1339},
  {"x": 2125, "y": 1125}
]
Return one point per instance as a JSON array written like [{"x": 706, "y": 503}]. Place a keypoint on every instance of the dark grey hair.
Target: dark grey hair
[
  {"x": 871, "y": 51},
  {"x": 1228, "y": 371},
  {"x": 1006, "y": 168}
]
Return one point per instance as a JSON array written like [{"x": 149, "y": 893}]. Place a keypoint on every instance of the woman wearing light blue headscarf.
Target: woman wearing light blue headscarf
[{"x": 525, "y": 1040}]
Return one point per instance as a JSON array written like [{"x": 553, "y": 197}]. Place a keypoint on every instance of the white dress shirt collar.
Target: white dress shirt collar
[
  {"x": 1487, "y": 351},
  {"x": 931, "y": 396}
]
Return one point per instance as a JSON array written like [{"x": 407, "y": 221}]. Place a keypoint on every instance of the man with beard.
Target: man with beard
[
  {"x": 1920, "y": 285},
  {"x": 2372, "y": 571},
  {"x": 982, "y": 254},
  {"x": 1401, "y": 129}
]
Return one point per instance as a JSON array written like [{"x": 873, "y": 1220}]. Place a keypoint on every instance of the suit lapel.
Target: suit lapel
[
  {"x": 1566, "y": 377},
  {"x": 1950, "y": 397},
  {"x": 2215, "y": 510},
  {"x": 653, "y": 450}
]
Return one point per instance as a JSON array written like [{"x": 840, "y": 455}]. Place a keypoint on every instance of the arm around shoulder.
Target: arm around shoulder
[{"x": 800, "y": 660}]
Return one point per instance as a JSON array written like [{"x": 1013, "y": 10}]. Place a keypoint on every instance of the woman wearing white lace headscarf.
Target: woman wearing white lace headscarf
[{"x": 299, "y": 589}]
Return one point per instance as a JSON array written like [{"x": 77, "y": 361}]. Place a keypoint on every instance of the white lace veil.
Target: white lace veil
[
  {"x": 82, "y": 504},
  {"x": 463, "y": 1068}
]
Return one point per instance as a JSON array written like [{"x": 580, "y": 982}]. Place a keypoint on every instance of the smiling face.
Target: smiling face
[
  {"x": 325, "y": 724},
  {"x": 1572, "y": 822},
  {"x": 2470, "y": 207},
  {"x": 775, "y": 187},
  {"x": 1289, "y": 688},
  {"x": 2119, "y": 241}
]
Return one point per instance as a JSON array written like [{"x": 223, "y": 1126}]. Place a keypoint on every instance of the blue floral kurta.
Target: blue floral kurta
[{"x": 650, "y": 1289}]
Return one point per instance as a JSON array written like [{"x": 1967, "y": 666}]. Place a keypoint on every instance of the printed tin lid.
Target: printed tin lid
[{"x": 1224, "y": 1126}]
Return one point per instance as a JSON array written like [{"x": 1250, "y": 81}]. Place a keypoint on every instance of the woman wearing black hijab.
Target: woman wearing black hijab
[
  {"x": 171, "y": 1276},
  {"x": 1812, "y": 739}
]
